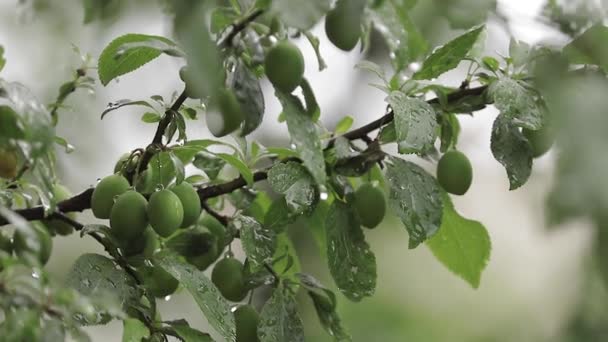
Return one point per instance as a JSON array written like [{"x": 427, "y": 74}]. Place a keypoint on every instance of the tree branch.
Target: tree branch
[
  {"x": 238, "y": 27},
  {"x": 82, "y": 201}
]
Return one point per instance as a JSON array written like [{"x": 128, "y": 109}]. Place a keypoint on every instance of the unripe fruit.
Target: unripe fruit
[
  {"x": 129, "y": 217},
  {"x": 228, "y": 115},
  {"x": 58, "y": 226},
  {"x": 104, "y": 194},
  {"x": 185, "y": 77},
  {"x": 343, "y": 24},
  {"x": 246, "y": 321},
  {"x": 41, "y": 248},
  {"x": 370, "y": 205},
  {"x": 540, "y": 140},
  {"x": 144, "y": 245},
  {"x": 454, "y": 172},
  {"x": 284, "y": 65},
  {"x": 8, "y": 164},
  {"x": 165, "y": 212},
  {"x": 121, "y": 165},
  {"x": 158, "y": 282},
  {"x": 190, "y": 201},
  {"x": 191, "y": 242},
  {"x": 228, "y": 277}
]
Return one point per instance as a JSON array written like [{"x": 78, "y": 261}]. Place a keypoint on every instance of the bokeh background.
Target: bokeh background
[{"x": 539, "y": 284}]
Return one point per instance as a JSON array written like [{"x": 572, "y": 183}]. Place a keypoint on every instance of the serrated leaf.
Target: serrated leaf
[
  {"x": 516, "y": 102},
  {"x": 462, "y": 245},
  {"x": 403, "y": 39},
  {"x": 258, "y": 242},
  {"x": 294, "y": 181},
  {"x": 449, "y": 56},
  {"x": 415, "y": 197},
  {"x": 249, "y": 94},
  {"x": 119, "y": 57},
  {"x": 300, "y": 14},
  {"x": 352, "y": 264},
  {"x": 415, "y": 123},
  {"x": 215, "y": 308},
  {"x": 94, "y": 275},
  {"x": 134, "y": 330},
  {"x": 279, "y": 319},
  {"x": 305, "y": 136},
  {"x": 511, "y": 148}
]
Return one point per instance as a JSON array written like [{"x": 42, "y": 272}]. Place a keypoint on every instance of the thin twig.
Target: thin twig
[{"x": 238, "y": 27}]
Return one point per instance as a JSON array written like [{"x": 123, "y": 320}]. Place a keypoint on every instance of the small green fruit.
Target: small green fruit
[
  {"x": 190, "y": 201},
  {"x": 157, "y": 281},
  {"x": 165, "y": 212},
  {"x": 228, "y": 277},
  {"x": 104, "y": 194},
  {"x": 8, "y": 163},
  {"x": 454, "y": 172},
  {"x": 246, "y": 320},
  {"x": 144, "y": 245},
  {"x": 40, "y": 246},
  {"x": 343, "y": 24},
  {"x": 370, "y": 205},
  {"x": 541, "y": 140},
  {"x": 284, "y": 65},
  {"x": 228, "y": 116},
  {"x": 129, "y": 217},
  {"x": 58, "y": 226}
]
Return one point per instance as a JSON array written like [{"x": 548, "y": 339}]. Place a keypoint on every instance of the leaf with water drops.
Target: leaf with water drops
[
  {"x": 279, "y": 319},
  {"x": 462, "y": 245},
  {"x": 514, "y": 101},
  {"x": 215, "y": 308},
  {"x": 450, "y": 55},
  {"x": 134, "y": 330},
  {"x": 249, "y": 94},
  {"x": 352, "y": 264},
  {"x": 95, "y": 275},
  {"x": 415, "y": 123},
  {"x": 294, "y": 181},
  {"x": 511, "y": 148},
  {"x": 258, "y": 242},
  {"x": 415, "y": 197},
  {"x": 304, "y": 135},
  {"x": 129, "y": 52}
]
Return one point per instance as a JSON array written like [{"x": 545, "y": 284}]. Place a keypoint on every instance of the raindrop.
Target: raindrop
[
  {"x": 167, "y": 298},
  {"x": 36, "y": 275},
  {"x": 414, "y": 66}
]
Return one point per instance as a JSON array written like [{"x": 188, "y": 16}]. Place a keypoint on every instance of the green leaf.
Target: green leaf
[
  {"x": 112, "y": 106},
  {"x": 150, "y": 117},
  {"x": 279, "y": 215},
  {"x": 188, "y": 334},
  {"x": 209, "y": 164},
  {"x": 449, "y": 56},
  {"x": 128, "y": 53},
  {"x": 415, "y": 123},
  {"x": 352, "y": 264},
  {"x": 589, "y": 48},
  {"x": 289, "y": 263},
  {"x": 9, "y": 125},
  {"x": 279, "y": 319},
  {"x": 239, "y": 165},
  {"x": 180, "y": 172},
  {"x": 462, "y": 245},
  {"x": 249, "y": 94},
  {"x": 215, "y": 308},
  {"x": 304, "y": 135},
  {"x": 519, "y": 52},
  {"x": 258, "y": 242},
  {"x": 344, "y": 124},
  {"x": 415, "y": 197},
  {"x": 316, "y": 223},
  {"x": 490, "y": 63},
  {"x": 516, "y": 102},
  {"x": 312, "y": 106},
  {"x": 403, "y": 39},
  {"x": 511, "y": 148},
  {"x": 299, "y": 14},
  {"x": 294, "y": 181},
  {"x": 450, "y": 130},
  {"x": 134, "y": 330},
  {"x": 94, "y": 275},
  {"x": 2, "y": 59}
]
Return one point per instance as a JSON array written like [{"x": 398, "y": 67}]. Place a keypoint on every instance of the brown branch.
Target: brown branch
[
  {"x": 238, "y": 27},
  {"x": 221, "y": 218},
  {"x": 82, "y": 201}
]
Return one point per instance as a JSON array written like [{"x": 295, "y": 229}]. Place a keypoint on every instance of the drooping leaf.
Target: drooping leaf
[
  {"x": 279, "y": 319},
  {"x": 249, "y": 94},
  {"x": 462, "y": 245},
  {"x": 449, "y": 56},
  {"x": 415, "y": 197},
  {"x": 352, "y": 264},
  {"x": 511, "y": 148},
  {"x": 128, "y": 53},
  {"x": 300, "y": 14},
  {"x": 134, "y": 330},
  {"x": 305, "y": 136},
  {"x": 517, "y": 103},
  {"x": 258, "y": 242},
  {"x": 415, "y": 123},
  {"x": 215, "y": 308}
]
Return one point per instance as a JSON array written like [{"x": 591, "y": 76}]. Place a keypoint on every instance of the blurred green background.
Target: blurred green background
[{"x": 539, "y": 284}]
